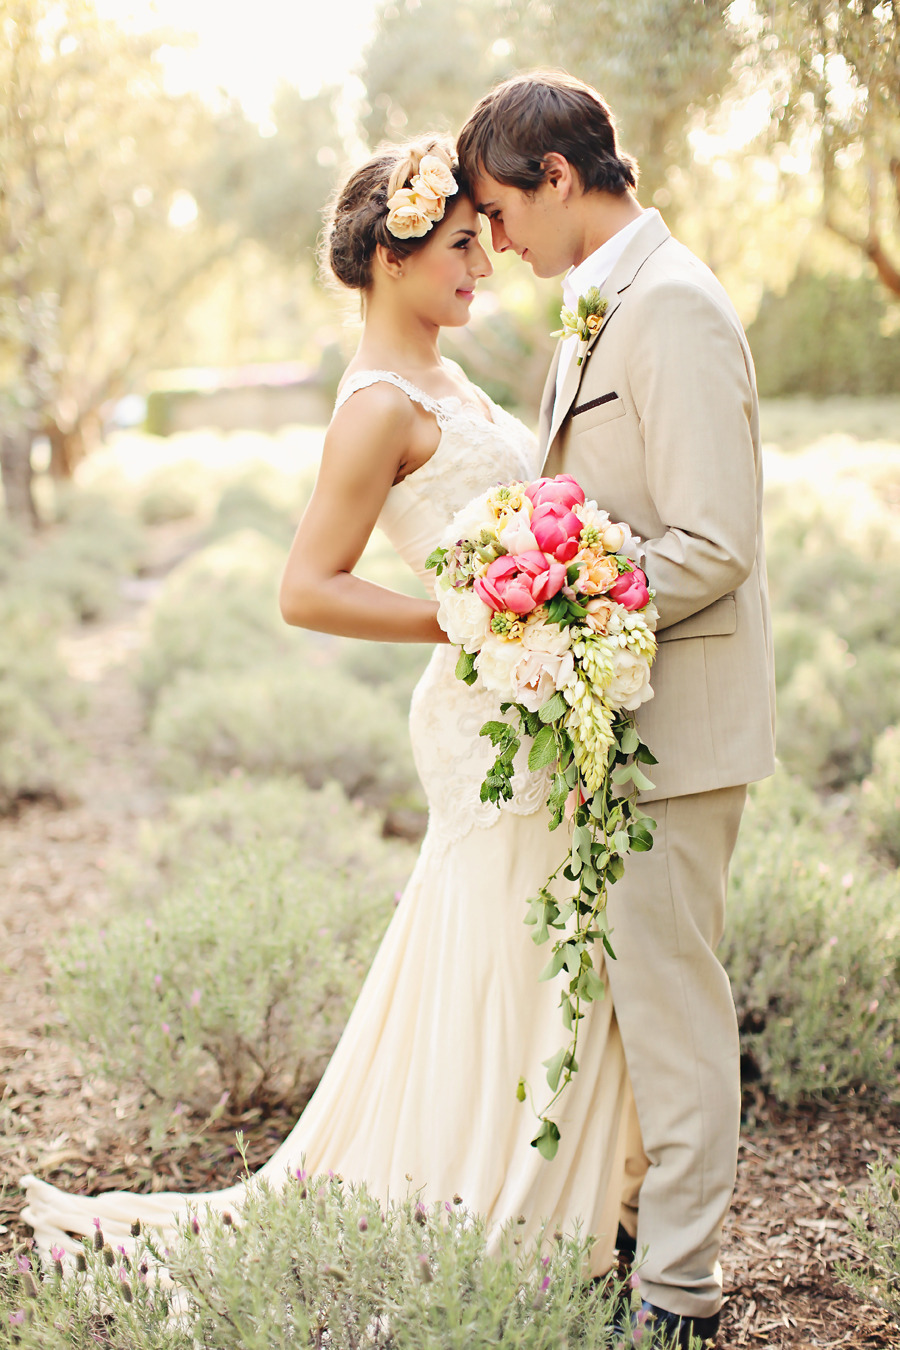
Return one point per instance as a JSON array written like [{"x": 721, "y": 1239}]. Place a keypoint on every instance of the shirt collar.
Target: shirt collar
[{"x": 597, "y": 266}]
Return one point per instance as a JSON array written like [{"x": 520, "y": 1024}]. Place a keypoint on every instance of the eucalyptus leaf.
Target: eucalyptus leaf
[
  {"x": 553, "y": 966},
  {"x": 546, "y": 1141},
  {"x": 629, "y": 741}
]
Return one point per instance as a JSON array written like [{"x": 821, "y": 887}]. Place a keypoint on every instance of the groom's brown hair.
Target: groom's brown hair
[{"x": 521, "y": 121}]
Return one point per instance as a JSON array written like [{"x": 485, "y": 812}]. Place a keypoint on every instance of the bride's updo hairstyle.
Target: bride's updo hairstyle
[{"x": 357, "y": 220}]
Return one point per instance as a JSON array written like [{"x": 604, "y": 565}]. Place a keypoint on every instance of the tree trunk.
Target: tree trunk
[
  {"x": 67, "y": 448},
  {"x": 15, "y": 467}
]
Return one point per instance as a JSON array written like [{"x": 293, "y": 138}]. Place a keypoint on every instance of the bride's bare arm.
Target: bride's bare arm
[{"x": 364, "y": 449}]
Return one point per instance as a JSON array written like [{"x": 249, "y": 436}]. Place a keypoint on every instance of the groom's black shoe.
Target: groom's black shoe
[
  {"x": 626, "y": 1247},
  {"x": 680, "y": 1329}
]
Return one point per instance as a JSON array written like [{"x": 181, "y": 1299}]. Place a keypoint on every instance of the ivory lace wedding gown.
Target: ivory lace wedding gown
[{"x": 423, "y": 1080}]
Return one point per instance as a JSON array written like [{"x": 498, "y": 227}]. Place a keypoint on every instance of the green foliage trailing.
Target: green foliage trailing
[
  {"x": 319, "y": 1263},
  {"x": 240, "y": 975},
  {"x": 812, "y": 945}
]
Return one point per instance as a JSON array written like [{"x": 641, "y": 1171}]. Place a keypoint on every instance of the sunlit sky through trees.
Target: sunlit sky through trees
[{"x": 247, "y": 49}]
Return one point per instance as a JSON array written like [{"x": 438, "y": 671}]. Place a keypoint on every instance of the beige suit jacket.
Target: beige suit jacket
[{"x": 660, "y": 424}]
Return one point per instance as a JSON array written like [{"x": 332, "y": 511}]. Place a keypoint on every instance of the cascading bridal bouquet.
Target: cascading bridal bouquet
[{"x": 543, "y": 594}]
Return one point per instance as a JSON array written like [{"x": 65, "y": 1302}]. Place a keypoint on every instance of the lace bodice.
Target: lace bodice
[
  {"x": 472, "y": 454},
  {"x": 445, "y": 717}
]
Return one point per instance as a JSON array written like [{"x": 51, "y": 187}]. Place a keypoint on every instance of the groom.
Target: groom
[{"x": 659, "y": 423}]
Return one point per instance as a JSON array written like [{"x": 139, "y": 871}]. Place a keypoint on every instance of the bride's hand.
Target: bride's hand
[{"x": 365, "y": 446}]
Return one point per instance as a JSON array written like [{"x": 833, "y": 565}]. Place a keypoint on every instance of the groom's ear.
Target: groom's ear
[{"x": 559, "y": 175}]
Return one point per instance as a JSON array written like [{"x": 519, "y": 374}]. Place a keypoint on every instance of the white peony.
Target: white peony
[
  {"x": 542, "y": 636},
  {"x": 464, "y": 618},
  {"x": 496, "y": 663},
  {"x": 470, "y": 521},
  {"x": 539, "y": 675},
  {"x": 630, "y": 683}
]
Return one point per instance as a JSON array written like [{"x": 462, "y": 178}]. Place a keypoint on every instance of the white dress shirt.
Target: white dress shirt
[{"x": 594, "y": 271}]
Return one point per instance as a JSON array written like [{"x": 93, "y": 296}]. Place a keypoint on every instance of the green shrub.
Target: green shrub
[
  {"x": 240, "y": 979},
  {"x": 391, "y": 667},
  {"x": 834, "y": 571},
  {"x": 876, "y": 1227},
  {"x": 36, "y": 757},
  {"x": 217, "y": 611},
  {"x": 880, "y": 797},
  {"x": 82, "y": 558},
  {"x": 825, "y": 336},
  {"x": 320, "y": 1263},
  {"x": 812, "y": 946},
  {"x": 289, "y": 717},
  {"x": 171, "y": 493},
  {"x": 260, "y": 501}
]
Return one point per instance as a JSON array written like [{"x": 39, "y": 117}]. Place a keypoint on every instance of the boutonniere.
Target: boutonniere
[{"x": 584, "y": 323}]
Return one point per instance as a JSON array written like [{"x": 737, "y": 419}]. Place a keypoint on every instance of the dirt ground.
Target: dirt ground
[{"x": 788, "y": 1224}]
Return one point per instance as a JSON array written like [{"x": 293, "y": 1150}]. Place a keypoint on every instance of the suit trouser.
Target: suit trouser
[{"x": 676, "y": 1013}]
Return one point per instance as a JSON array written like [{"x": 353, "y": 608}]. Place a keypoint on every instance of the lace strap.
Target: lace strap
[{"x": 364, "y": 378}]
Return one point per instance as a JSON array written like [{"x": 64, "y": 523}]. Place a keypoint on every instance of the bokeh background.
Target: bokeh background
[{"x": 205, "y": 818}]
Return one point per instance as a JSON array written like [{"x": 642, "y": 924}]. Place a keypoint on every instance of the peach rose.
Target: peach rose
[
  {"x": 408, "y": 216},
  {"x": 598, "y": 571},
  {"x": 436, "y": 176},
  {"x": 600, "y": 612}
]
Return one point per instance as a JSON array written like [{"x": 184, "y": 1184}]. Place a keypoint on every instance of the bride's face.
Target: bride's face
[{"x": 438, "y": 281}]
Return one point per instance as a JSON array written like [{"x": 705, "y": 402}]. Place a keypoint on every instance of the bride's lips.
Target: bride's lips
[{"x": 464, "y": 294}]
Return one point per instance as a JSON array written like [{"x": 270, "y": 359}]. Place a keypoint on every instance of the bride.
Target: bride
[{"x": 422, "y": 1084}]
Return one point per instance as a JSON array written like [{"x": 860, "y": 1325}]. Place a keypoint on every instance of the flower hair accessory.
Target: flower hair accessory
[
  {"x": 413, "y": 211},
  {"x": 586, "y": 322}
]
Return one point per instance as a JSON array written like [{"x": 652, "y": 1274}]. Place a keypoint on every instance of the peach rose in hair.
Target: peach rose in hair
[
  {"x": 436, "y": 176},
  {"x": 409, "y": 217}
]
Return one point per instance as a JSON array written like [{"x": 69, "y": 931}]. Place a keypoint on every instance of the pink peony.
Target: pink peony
[
  {"x": 630, "y": 590},
  {"x": 520, "y": 582},
  {"x": 563, "y": 489},
  {"x": 557, "y": 530}
]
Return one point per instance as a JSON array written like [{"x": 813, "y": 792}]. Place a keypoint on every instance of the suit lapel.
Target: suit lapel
[{"x": 644, "y": 243}]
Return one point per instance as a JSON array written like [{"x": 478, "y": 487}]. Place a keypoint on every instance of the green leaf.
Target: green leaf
[
  {"x": 520, "y": 1090},
  {"x": 615, "y": 869},
  {"x": 604, "y": 937},
  {"x": 553, "y": 966},
  {"x": 553, "y": 708},
  {"x": 465, "y": 666},
  {"x": 435, "y": 560},
  {"x": 582, "y": 841},
  {"x": 621, "y": 841},
  {"x": 643, "y": 755},
  {"x": 543, "y": 751},
  {"x": 592, "y": 987},
  {"x": 629, "y": 741},
  {"x": 622, "y": 773},
  {"x": 640, "y": 780},
  {"x": 554, "y": 1066},
  {"x": 498, "y": 731},
  {"x": 546, "y": 1141}
]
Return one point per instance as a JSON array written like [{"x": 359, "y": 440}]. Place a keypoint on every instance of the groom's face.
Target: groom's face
[{"x": 535, "y": 225}]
